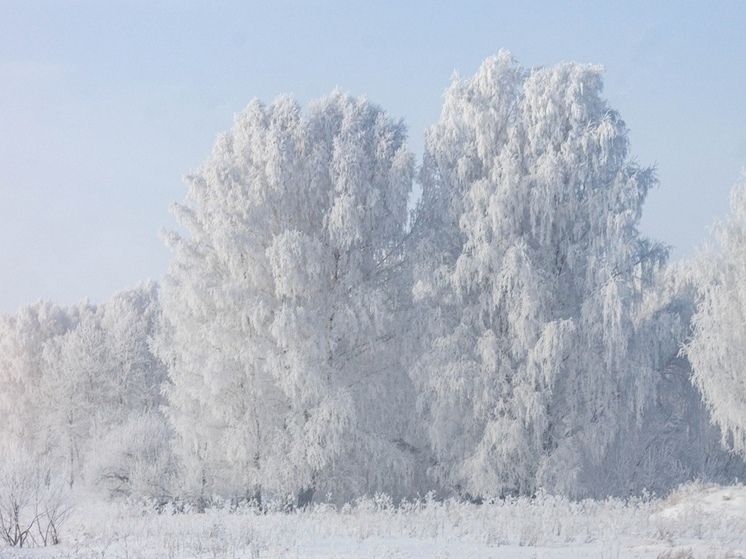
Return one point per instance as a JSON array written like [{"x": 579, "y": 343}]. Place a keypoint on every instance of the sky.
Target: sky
[{"x": 106, "y": 105}]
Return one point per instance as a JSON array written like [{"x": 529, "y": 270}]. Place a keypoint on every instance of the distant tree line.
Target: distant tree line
[{"x": 315, "y": 338}]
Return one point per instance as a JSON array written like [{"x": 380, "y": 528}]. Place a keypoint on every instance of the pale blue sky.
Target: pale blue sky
[{"x": 105, "y": 105}]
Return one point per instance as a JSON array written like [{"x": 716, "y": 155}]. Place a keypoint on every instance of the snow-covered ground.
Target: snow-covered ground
[{"x": 697, "y": 521}]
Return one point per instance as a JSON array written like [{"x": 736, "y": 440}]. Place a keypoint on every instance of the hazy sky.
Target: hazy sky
[{"x": 105, "y": 105}]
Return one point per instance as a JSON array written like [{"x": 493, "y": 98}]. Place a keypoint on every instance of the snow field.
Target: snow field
[{"x": 697, "y": 521}]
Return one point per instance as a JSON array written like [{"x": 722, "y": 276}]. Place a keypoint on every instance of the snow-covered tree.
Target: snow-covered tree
[
  {"x": 23, "y": 337},
  {"x": 71, "y": 389},
  {"x": 530, "y": 271},
  {"x": 280, "y": 309},
  {"x": 71, "y": 374},
  {"x": 717, "y": 350},
  {"x": 130, "y": 440},
  {"x": 675, "y": 442},
  {"x": 99, "y": 373}
]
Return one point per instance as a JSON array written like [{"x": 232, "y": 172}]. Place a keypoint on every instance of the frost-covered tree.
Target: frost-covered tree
[
  {"x": 717, "y": 350},
  {"x": 71, "y": 374},
  {"x": 530, "y": 271},
  {"x": 99, "y": 373},
  {"x": 23, "y": 337},
  {"x": 675, "y": 442},
  {"x": 130, "y": 441},
  {"x": 280, "y": 307},
  {"x": 71, "y": 389}
]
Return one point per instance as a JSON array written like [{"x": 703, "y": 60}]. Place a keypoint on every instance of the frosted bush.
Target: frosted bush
[
  {"x": 134, "y": 459},
  {"x": 33, "y": 502},
  {"x": 547, "y": 526}
]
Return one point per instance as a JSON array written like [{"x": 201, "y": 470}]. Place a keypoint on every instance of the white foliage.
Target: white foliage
[
  {"x": 717, "y": 350},
  {"x": 133, "y": 459},
  {"x": 73, "y": 373},
  {"x": 309, "y": 341},
  {"x": 99, "y": 373},
  {"x": 280, "y": 307},
  {"x": 532, "y": 297},
  {"x": 23, "y": 337},
  {"x": 696, "y": 521}
]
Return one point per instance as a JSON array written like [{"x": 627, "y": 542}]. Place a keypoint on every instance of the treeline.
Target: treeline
[{"x": 314, "y": 338}]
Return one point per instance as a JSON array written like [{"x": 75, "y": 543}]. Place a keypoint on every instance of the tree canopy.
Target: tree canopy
[{"x": 321, "y": 333}]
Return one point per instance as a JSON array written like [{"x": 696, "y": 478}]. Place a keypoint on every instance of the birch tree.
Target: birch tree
[
  {"x": 280, "y": 307},
  {"x": 532, "y": 298},
  {"x": 717, "y": 350}
]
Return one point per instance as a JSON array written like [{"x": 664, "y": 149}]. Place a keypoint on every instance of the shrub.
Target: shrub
[{"x": 34, "y": 503}]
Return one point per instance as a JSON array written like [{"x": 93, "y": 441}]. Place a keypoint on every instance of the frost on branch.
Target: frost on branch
[{"x": 34, "y": 503}]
